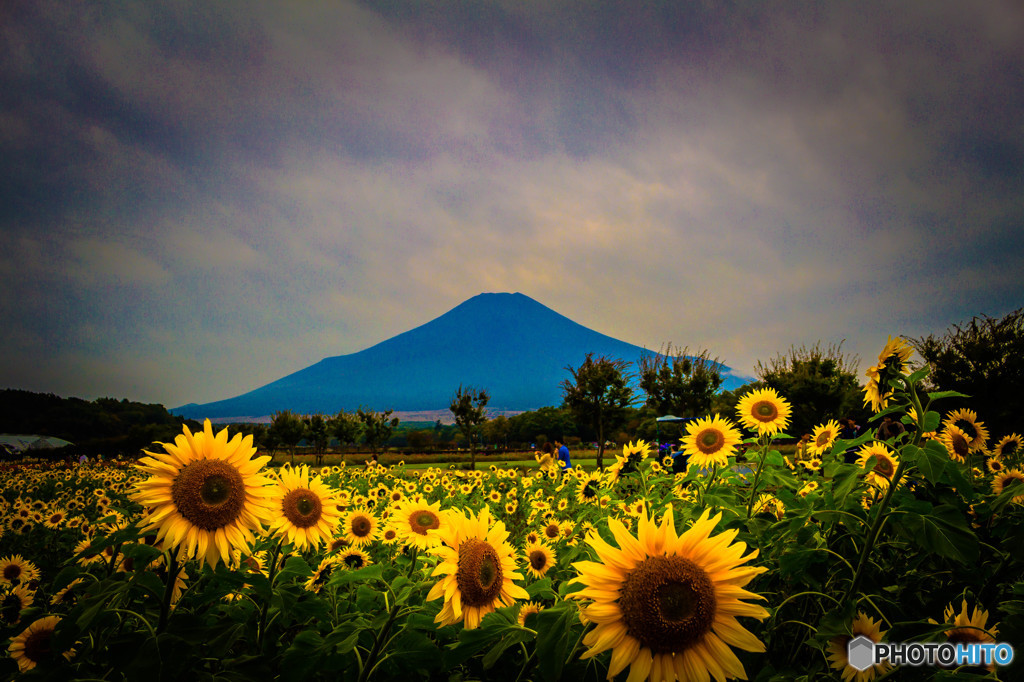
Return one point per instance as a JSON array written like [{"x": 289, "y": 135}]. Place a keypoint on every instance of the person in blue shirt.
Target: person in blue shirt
[{"x": 563, "y": 454}]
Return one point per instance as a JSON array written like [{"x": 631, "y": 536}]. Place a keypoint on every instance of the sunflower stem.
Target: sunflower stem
[
  {"x": 876, "y": 528},
  {"x": 265, "y": 609},
  {"x": 707, "y": 486},
  {"x": 757, "y": 476},
  {"x": 378, "y": 644},
  {"x": 172, "y": 577}
]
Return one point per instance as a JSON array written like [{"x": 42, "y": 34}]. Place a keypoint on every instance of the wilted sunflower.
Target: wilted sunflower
[
  {"x": 32, "y": 646},
  {"x": 667, "y": 604},
  {"x": 709, "y": 441},
  {"x": 539, "y": 559},
  {"x": 967, "y": 421},
  {"x": 205, "y": 493},
  {"x": 839, "y": 657},
  {"x": 360, "y": 527},
  {"x": 478, "y": 567},
  {"x": 891, "y": 362},
  {"x": 1008, "y": 447},
  {"x": 1010, "y": 478},
  {"x": 763, "y": 410},
  {"x": 885, "y": 466},
  {"x": 15, "y": 569},
  {"x": 823, "y": 437},
  {"x": 414, "y": 520},
  {"x": 958, "y": 443},
  {"x": 306, "y": 512}
]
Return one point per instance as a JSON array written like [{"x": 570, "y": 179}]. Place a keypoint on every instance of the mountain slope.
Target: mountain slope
[{"x": 509, "y": 344}]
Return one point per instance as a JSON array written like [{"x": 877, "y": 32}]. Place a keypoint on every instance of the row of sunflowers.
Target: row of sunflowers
[{"x": 200, "y": 562}]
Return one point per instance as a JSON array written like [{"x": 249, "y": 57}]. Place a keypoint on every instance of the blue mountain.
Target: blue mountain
[{"x": 509, "y": 344}]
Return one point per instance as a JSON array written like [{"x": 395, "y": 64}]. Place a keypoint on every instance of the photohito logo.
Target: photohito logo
[{"x": 862, "y": 653}]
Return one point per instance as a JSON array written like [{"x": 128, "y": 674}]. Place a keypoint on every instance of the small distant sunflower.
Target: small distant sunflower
[
  {"x": 526, "y": 610},
  {"x": 55, "y": 518},
  {"x": 764, "y": 410},
  {"x": 891, "y": 363},
  {"x": 823, "y": 438},
  {"x": 838, "y": 655},
  {"x": 1008, "y": 447},
  {"x": 205, "y": 493},
  {"x": 885, "y": 466},
  {"x": 15, "y": 569},
  {"x": 1012, "y": 479},
  {"x": 667, "y": 604},
  {"x": 807, "y": 488},
  {"x": 589, "y": 490},
  {"x": 769, "y": 504},
  {"x": 995, "y": 465},
  {"x": 958, "y": 443},
  {"x": 360, "y": 527},
  {"x": 306, "y": 512},
  {"x": 628, "y": 462},
  {"x": 415, "y": 520},
  {"x": 389, "y": 536},
  {"x": 967, "y": 421},
  {"x": 477, "y": 568},
  {"x": 539, "y": 559},
  {"x": 354, "y": 559},
  {"x": 710, "y": 441},
  {"x": 32, "y": 646},
  {"x": 551, "y": 530}
]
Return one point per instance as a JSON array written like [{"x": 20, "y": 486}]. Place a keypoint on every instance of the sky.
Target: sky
[{"x": 199, "y": 198}]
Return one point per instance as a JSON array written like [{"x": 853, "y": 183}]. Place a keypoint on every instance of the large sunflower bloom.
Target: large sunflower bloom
[
  {"x": 414, "y": 519},
  {"x": 667, "y": 604},
  {"x": 967, "y": 421},
  {"x": 205, "y": 493},
  {"x": 838, "y": 655},
  {"x": 823, "y": 437},
  {"x": 629, "y": 461},
  {"x": 15, "y": 569},
  {"x": 958, "y": 443},
  {"x": 891, "y": 363},
  {"x": 478, "y": 566},
  {"x": 886, "y": 462},
  {"x": 710, "y": 441},
  {"x": 1010, "y": 478},
  {"x": 306, "y": 509},
  {"x": 763, "y": 410},
  {"x": 33, "y": 647},
  {"x": 1008, "y": 447},
  {"x": 360, "y": 527}
]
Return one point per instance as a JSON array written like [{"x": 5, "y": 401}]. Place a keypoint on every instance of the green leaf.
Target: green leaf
[
  {"x": 541, "y": 589},
  {"x": 931, "y": 421},
  {"x": 931, "y": 461},
  {"x": 553, "y": 640},
  {"x": 775, "y": 459},
  {"x": 372, "y": 572},
  {"x": 943, "y": 531},
  {"x": 918, "y": 375},
  {"x": 939, "y": 395}
]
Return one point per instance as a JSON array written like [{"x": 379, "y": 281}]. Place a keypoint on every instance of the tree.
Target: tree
[
  {"x": 679, "y": 384},
  {"x": 318, "y": 434},
  {"x": 287, "y": 429},
  {"x": 598, "y": 393},
  {"x": 983, "y": 359},
  {"x": 377, "y": 427},
  {"x": 346, "y": 427},
  {"x": 469, "y": 406},
  {"x": 496, "y": 430},
  {"x": 819, "y": 384}
]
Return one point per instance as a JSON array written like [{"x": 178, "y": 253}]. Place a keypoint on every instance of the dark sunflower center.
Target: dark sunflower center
[
  {"x": 823, "y": 439},
  {"x": 965, "y": 636},
  {"x": 1013, "y": 483},
  {"x": 538, "y": 560},
  {"x": 710, "y": 441},
  {"x": 12, "y": 572},
  {"x": 209, "y": 493},
  {"x": 422, "y": 521},
  {"x": 361, "y": 526},
  {"x": 37, "y": 645},
  {"x": 668, "y": 603},
  {"x": 967, "y": 427},
  {"x": 589, "y": 490},
  {"x": 883, "y": 466},
  {"x": 551, "y": 530},
  {"x": 302, "y": 507},
  {"x": 354, "y": 561},
  {"x": 765, "y": 411},
  {"x": 960, "y": 445},
  {"x": 10, "y": 608},
  {"x": 479, "y": 574}
]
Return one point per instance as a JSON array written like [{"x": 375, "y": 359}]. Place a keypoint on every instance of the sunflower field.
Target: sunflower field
[{"x": 200, "y": 562}]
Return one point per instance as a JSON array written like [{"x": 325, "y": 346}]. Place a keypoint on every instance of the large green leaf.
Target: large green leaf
[{"x": 943, "y": 531}]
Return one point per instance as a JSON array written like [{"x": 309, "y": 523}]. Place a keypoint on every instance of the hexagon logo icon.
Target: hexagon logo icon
[{"x": 860, "y": 652}]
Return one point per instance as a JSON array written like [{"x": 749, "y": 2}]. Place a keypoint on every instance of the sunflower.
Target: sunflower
[
  {"x": 763, "y": 410},
  {"x": 205, "y": 493},
  {"x": 891, "y": 362},
  {"x": 306, "y": 510},
  {"x": 478, "y": 567},
  {"x": 823, "y": 437},
  {"x": 354, "y": 559},
  {"x": 886, "y": 462},
  {"x": 1012, "y": 479},
  {"x": 32, "y": 646},
  {"x": 968, "y": 422},
  {"x": 628, "y": 462},
  {"x": 321, "y": 575},
  {"x": 969, "y": 629},
  {"x": 69, "y": 594},
  {"x": 415, "y": 520},
  {"x": 55, "y": 518},
  {"x": 539, "y": 559},
  {"x": 16, "y": 569},
  {"x": 807, "y": 488},
  {"x": 13, "y": 601},
  {"x": 958, "y": 443},
  {"x": 995, "y": 465},
  {"x": 710, "y": 440},
  {"x": 552, "y": 530},
  {"x": 360, "y": 527},
  {"x": 1008, "y": 447},
  {"x": 526, "y": 610},
  {"x": 667, "y": 604},
  {"x": 838, "y": 655},
  {"x": 769, "y": 504}
]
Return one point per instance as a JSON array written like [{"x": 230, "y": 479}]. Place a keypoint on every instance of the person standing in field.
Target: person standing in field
[{"x": 563, "y": 455}]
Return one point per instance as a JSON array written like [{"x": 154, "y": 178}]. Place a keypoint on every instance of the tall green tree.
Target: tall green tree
[
  {"x": 377, "y": 427},
  {"x": 984, "y": 359},
  {"x": 287, "y": 429},
  {"x": 679, "y": 383},
  {"x": 496, "y": 430},
  {"x": 598, "y": 393},
  {"x": 346, "y": 427},
  {"x": 469, "y": 407},
  {"x": 820, "y": 384}
]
